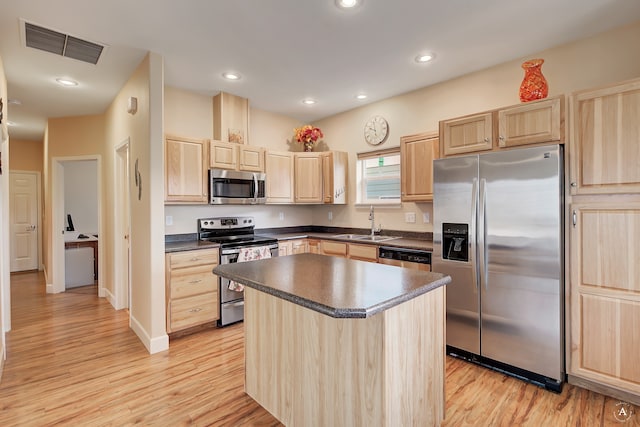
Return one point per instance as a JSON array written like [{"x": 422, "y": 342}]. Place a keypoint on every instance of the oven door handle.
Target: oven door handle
[
  {"x": 236, "y": 304},
  {"x": 233, "y": 251}
]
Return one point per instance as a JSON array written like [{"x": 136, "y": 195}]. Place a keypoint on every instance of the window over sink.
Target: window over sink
[{"x": 378, "y": 177}]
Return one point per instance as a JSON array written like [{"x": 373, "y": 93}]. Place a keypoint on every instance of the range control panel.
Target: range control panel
[{"x": 225, "y": 223}]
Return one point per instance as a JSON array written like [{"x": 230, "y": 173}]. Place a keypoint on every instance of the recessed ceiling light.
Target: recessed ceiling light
[
  {"x": 348, "y": 4},
  {"x": 231, "y": 76},
  {"x": 308, "y": 101},
  {"x": 361, "y": 96},
  {"x": 67, "y": 82},
  {"x": 424, "y": 57},
  {"x": 15, "y": 102},
  {"x": 10, "y": 123}
]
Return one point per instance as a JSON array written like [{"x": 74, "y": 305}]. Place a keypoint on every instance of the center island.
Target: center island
[{"x": 337, "y": 342}]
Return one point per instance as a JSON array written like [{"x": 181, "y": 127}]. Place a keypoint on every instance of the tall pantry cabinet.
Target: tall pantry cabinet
[{"x": 604, "y": 229}]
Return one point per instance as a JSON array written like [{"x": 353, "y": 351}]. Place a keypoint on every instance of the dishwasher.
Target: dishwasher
[{"x": 403, "y": 257}]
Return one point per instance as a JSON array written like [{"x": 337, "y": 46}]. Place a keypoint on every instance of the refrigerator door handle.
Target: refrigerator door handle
[
  {"x": 482, "y": 234},
  {"x": 472, "y": 234}
]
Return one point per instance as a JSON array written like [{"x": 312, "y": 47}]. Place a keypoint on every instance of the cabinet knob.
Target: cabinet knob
[
  {"x": 574, "y": 184},
  {"x": 487, "y": 140},
  {"x": 501, "y": 138}
]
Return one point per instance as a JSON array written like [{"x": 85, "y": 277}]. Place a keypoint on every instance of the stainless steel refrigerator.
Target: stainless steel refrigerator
[{"x": 498, "y": 232}]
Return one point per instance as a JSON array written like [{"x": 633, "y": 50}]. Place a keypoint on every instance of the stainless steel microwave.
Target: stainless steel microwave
[{"x": 236, "y": 188}]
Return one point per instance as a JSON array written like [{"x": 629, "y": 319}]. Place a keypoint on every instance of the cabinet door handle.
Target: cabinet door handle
[
  {"x": 575, "y": 218},
  {"x": 487, "y": 140},
  {"x": 193, "y": 282},
  {"x": 574, "y": 184},
  {"x": 195, "y": 310}
]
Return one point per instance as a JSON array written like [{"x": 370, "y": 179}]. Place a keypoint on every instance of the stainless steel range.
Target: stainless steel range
[{"x": 238, "y": 243}]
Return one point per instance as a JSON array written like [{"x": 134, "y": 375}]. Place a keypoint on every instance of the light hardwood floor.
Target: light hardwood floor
[{"x": 72, "y": 360}]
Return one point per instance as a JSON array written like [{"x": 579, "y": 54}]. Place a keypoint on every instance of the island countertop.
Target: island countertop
[{"x": 337, "y": 287}]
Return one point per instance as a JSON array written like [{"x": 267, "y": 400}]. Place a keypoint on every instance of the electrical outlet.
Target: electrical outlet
[
  {"x": 410, "y": 217},
  {"x": 330, "y": 216},
  {"x": 425, "y": 217},
  {"x": 168, "y": 220},
  {"x": 281, "y": 216}
]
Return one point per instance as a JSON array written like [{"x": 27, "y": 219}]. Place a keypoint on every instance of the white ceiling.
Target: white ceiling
[{"x": 285, "y": 50}]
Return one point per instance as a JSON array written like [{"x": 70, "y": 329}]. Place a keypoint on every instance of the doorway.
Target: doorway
[
  {"x": 75, "y": 221},
  {"x": 25, "y": 220}
]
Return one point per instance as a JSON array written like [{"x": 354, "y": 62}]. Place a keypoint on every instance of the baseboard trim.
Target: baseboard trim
[
  {"x": 50, "y": 288},
  {"x": 614, "y": 392},
  {"x": 153, "y": 345},
  {"x": 106, "y": 293}
]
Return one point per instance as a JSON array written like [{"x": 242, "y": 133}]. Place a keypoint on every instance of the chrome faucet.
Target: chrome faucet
[{"x": 372, "y": 218}]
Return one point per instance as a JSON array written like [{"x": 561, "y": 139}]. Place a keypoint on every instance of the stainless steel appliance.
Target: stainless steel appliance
[
  {"x": 498, "y": 232},
  {"x": 404, "y": 257},
  {"x": 238, "y": 188},
  {"x": 234, "y": 234}
]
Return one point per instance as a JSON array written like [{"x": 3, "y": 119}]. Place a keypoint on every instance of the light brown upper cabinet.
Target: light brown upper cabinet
[
  {"x": 537, "y": 122},
  {"x": 467, "y": 134},
  {"x": 185, "y": 170},
  {"x": 226, "y": 155},
  {"x": 605, "y": 141},
  {"x": 230, "y": 118},
  {"x": 417, "y": 153},
  {"x": 308, "y": 178},
  {"x": 279, "y": 170},
  {"x": 531, "y": 123},
  {"x": 334, "y": 177}
]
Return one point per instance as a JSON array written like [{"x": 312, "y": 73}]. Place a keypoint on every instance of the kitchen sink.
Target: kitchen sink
[{"x": 364, "y": 237}]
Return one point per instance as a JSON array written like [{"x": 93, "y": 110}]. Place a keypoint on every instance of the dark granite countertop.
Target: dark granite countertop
[
  {"x": 337, "y": 287},
  {"x": 188, "y": 245},
  {"x": 187, "y": 242}
]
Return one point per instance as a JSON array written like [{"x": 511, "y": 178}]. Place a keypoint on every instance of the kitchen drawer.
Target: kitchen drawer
[
  {"x": 334, "y": 248},
  {"x": 363, "y": 252},
  {"x": 192, "y": 258},
  {"x": 194, "y": 310},
  {"x": 192, "y": 281}
]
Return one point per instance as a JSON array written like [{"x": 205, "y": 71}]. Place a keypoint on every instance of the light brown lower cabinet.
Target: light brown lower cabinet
[
  {"x": 605, "y": 298},
  {"x": 363, "y": 252},
  {"x": 291, "y": 247},
  {"x": 313, "y": 246},
  {"x": 191, "y": 288},
  {"x": 330, "y": 247}
]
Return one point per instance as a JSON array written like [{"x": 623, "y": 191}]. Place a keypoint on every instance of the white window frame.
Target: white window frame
[{"x": 361, "y": 182}]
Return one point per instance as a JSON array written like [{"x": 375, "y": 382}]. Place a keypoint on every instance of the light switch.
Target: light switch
[
  {"x": 425, "y": 217},
  {"x": 281, "y": 216},
  {"x": 168, "y": 220},
  {"x": 330, "y": 216}
]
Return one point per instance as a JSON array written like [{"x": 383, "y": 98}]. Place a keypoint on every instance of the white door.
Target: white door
[{"x": 23, "y": 205}]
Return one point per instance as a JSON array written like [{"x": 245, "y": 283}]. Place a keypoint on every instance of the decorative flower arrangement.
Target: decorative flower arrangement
[{"x": 308, "y": 135}]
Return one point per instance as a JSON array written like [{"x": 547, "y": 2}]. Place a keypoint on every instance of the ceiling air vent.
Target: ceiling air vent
[{"x": 62, "y": 44}]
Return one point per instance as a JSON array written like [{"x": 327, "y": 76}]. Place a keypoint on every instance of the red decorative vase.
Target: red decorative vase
[{"x": 534, "y": 85}]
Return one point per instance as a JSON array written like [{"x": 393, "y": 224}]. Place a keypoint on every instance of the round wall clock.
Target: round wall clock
[{"x": 376, "y": 130}]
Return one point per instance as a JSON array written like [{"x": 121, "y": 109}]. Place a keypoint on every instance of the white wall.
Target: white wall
[
  {"x": 81, "y": 194},
  {"x": 5, "y": 257}
]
